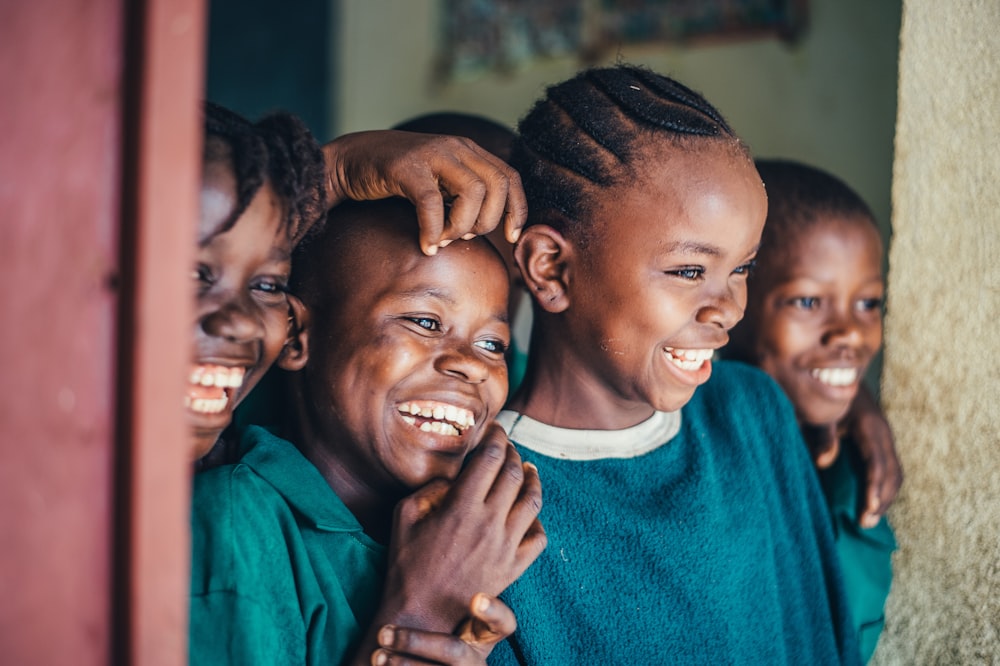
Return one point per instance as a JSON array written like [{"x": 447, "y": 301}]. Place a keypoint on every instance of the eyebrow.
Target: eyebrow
[
  {"x": 442, "y": 295},
  {"x": 694, "y": 247}
]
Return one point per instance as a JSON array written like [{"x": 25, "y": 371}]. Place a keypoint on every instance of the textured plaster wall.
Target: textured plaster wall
[{"x": 941, "y": 385}]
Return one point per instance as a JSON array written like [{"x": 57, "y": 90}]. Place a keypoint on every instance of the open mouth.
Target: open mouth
[
  {"x": 210, "y": 387},
  {"x": 836, "y": 377},
  {"x": 688, "y": 359},
  {"x": 437, "y": 417}
]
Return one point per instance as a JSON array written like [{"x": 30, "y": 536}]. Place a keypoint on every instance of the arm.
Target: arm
[
  {"x": 490, "y": 621},
  {"x": 450, "y": 541},
  {"x": 869, "y": 429},
  {"x": 435, "y": 173}
]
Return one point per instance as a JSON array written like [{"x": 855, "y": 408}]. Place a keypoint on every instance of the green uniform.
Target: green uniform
[
  {"x": 865, "y": 555},
  {"x": 281, "y": 571}
]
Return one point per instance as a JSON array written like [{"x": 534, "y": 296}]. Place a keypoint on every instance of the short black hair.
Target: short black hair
[
  {"x": 279, "y": 148},
  {"x": 799, "y": 195},
  {"x": 585, "y": 134}
]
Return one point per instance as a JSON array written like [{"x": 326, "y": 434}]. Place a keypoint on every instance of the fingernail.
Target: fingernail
[
  {"x": 468, "y": 236},
  {"x": 445, "y": 243},
  {"x": 432, "y": 250},
  {"x": 515, "y": 235},
  {"x": 529, "y": 465},
  {"x": 386, "y": 635},
  {"x": 482, "y": 603},
  {"x": 380, "y": 658}
]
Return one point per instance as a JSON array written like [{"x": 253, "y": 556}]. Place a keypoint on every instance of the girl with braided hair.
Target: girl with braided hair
[{"x": 685, "y": 523}]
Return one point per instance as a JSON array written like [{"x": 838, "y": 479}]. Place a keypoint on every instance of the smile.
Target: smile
[
  {"x": 688, "y": 359},
  {"x": 210, "y": 387},
  {"x": 437, "y": 417},
  {"x": 835, "y": 376}
]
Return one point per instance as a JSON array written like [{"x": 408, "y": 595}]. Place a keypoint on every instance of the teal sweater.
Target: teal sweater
[{"x": 714, "y": 547}]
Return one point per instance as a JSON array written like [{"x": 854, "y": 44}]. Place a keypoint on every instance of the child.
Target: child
[
  {"x": 263, "y": 187},
  {"x": 497, "y": 139},
  {"x": 814, "y": 323},
  {"x": 405, "y": 375},
  {"x": 683, "y": 519}
]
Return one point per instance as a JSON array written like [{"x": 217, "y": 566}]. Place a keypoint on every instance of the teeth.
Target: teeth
[
  {"x": 688, "y": 359},
  {"x": 446, "y": 419},
  {"x": 439, "y": 427},
  {"x": 836, "y": 376},
  {"x": 206, "y": 405},
  {"x": 217, "y": 375}
]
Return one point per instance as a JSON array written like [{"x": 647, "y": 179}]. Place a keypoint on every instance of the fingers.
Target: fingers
[
  {"x": 825, "y": 455},
  {"x": 399, "y": 646},
  {"x": 484, "y": 464},
  {"x": 531, "y": 546},
  {"x": 491, "y": 621},
  {"x": 883, "y": 477},
  {"x": 423, "y": 502}
]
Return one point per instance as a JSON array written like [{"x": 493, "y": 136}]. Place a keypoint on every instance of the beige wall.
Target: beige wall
[{"x": 941, "y": 382}]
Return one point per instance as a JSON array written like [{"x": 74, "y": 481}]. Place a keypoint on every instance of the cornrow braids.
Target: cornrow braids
[
  {"x": 297, "y": 171},
  {"x": 232, "y": 138},
  {"x": 586, "y": 134}
]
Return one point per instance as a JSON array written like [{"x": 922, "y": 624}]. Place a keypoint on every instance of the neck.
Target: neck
[
  {"x": 372, "y": 506},
  {"x": 560, "y": 389}
]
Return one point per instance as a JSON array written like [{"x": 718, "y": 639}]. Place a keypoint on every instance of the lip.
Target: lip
[
  {"x": 213, "y": 389},
  {"x": 693, "y": 375},
  {"x": 838, "y": 382},
  {"x": 443, "y": 424}
]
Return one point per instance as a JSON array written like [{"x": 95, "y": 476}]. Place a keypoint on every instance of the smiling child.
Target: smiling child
[
  {"x": 814, "y": 323},
  {"x": 264, "y": 185},
  {"x": 301, "y": 552},
  {"x": 684, "y": 521}
]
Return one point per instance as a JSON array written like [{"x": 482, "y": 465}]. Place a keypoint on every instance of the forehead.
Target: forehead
[
  {"x": 829, "y": 246},
  {"x": 707, "y": 188}
]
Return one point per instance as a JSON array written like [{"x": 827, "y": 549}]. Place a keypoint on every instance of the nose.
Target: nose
[
  {"x": 232, "y": 318},
  {"x": 462, "y": 361},
  {"x": 725, "y": 307},
  {"x": 843, "y": 329}
]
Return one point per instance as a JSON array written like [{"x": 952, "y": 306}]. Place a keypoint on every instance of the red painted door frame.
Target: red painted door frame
[{"x": 99, "y": 152}]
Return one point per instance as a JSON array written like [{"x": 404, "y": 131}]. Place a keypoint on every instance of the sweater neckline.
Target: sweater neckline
[{"x": 573, "y": 444}]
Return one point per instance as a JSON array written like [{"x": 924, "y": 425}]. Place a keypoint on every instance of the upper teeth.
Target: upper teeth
[
  {"x": 688, "y": 359},
  {"x": 454, "y": 418},
  {"x": 217, "y": 375},
  {"x": 836, "y": 376}
]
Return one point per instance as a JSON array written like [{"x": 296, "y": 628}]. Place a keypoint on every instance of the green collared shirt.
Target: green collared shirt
[{"x": 281, "y": 571}]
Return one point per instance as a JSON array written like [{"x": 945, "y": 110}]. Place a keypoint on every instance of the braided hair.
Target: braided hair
[
  {"x": 586, "y": 135},
  {"x": 279, "y": 148}
]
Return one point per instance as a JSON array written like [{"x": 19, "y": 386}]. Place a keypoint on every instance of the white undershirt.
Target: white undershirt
[{"x": 570, "y": 444}]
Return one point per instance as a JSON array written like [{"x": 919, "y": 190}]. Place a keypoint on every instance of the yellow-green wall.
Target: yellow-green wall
[{"x": 830, "y": 101}]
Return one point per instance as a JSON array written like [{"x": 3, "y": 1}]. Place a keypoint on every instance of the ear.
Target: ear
[
  {"x": 296, "y": 350},
  {"x": 544, "y": 257}
]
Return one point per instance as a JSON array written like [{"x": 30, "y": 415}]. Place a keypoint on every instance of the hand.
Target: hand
[
  {"x": 490, "y": 621},
  {"x": 433, "y": 172},
  {"x": 876, "y": 448},
  {"x": 452, "y": 539}
]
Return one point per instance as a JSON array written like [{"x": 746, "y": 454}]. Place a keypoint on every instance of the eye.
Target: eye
[
  {"x": 270, "y": 289},
  {"x": 747, "y": 268},
  {"x": 202, "y": 273},
  {"x": 870, "y": 304},
  {"x": 804, "y": 302},
  {"x": 426, "y": 323},
  {"x": 687, "y": 273},
  {"x": 493, "y": 346}
]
